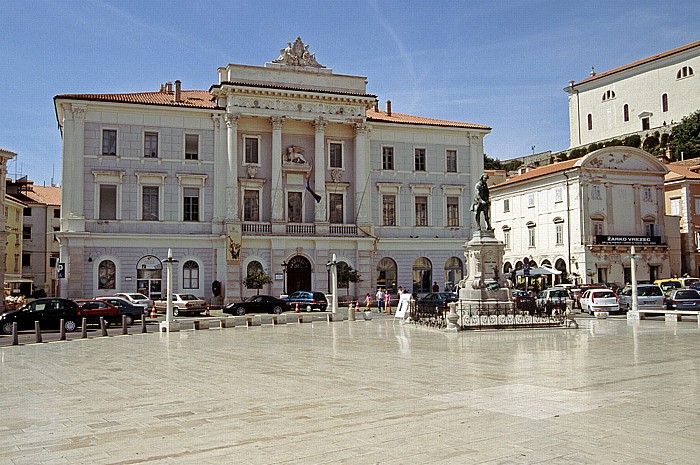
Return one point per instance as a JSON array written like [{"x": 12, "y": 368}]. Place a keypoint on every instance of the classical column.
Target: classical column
[
  {"x": 320, "y": 169},
  {"x": 73, "y": 218},
  {"x": 232, "y": 172},
  {"x": 220, "y": 162},
  {"x": 277, "y": 192},
  {"x": 362, "y": 194}
]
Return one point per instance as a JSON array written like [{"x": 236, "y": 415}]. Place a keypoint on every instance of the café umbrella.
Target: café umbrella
[{"x": 539, "y": 271}]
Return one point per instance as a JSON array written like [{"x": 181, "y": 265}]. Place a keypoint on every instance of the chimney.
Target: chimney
[
  {"x": 162, "y": 88},
  {"x": 376, "y": 106},
  {"x": 168, "y": 87},
  {"x": 177, "y": 90},
  {"x": 388, "y": 107}
]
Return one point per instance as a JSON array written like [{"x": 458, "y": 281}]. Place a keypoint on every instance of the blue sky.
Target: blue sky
[{"x": 498, "y": 63}]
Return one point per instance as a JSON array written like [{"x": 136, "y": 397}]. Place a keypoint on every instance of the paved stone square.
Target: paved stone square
[{"x": 360, "y": 392}]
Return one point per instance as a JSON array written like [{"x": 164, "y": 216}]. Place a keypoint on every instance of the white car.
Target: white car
[
  {"x": 599, "y": 300},
  {"x": 135, "y": 298},
  {"x": 649, "y": 297},
  {"x": 182, "y": 303}
]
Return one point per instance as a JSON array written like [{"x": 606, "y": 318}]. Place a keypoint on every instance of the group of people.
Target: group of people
[{"x": 383, "y": 298}]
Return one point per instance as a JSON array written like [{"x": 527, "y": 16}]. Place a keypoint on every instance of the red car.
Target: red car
[{"x": 92, "y": 310}]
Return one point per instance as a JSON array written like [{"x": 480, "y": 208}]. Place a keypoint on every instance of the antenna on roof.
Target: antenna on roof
[{"x": 52, "y": 168}]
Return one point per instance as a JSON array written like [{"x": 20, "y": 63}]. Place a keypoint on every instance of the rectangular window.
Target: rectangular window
[
  {"x": 531, "y": 200},
  {"x": 560, "y": 234},
  {"x": 387, "y": 158},
  {"x": 419, "y": 160},
  {"x": 190, "y": 204},
  {"x": 558, "y": 195},
  {"x": 697, "y": 240},
  {"x": 697, "y": 205},
  {"x": 451, "y": 161},
  {"x": 27, "y": 232},
  {"x": 108, "y": 202},
  {"x": 335, "y": 203},
  {"x": 150, "y": 145},
  {"x": 336, "y": 155},
  {"x": 649, "y": 229},
  {"x": 149, "y": 208},
  {"x": 26, "y": 259},
  {"x": 294, "y": 205},
  {"x": 506, "y": 205},
  {"x": 531, "y": 237},
  {"x": 109, "y": 142},
  {"x": 676, "y": 207},
  {"x": 57, "y": 213},
  {"x": 421, "y": 211},
  {"x": 645, "y": 124},
  {"x": 252, "y": 150},
  {"x": 452, "y": 211},
  {"x": 506, "y": 239},
  {"x": 595, "y": 191},
  {"x": 191, "y": 146},
  {"x": 55, "y": 230},
  {"x": 389, "y": 210},
  {"x": 27, "y": 211},
  {"x": 251, "y": 206},
  {"x": 598, "y": 228}
]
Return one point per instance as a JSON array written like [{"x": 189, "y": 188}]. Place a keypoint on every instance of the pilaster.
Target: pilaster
[
  {"x": 320, "y": 124},
  {"x": 362, "y": 194},
  {"x": 277, "y": 191},
  {"x": 220, "y": 169},
  {"x": 232, "y": 166},
  {"x": 73, "y": 218}
]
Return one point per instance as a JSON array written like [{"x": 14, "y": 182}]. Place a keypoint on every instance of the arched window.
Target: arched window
[
  {"x": 453, "y": 273},
  {"x": 664, "y": 102},
  {"x": 684, "y": 72},
  {"x": 190, "y": 275},
  {"x": 422, "y": 275},
  {"x": 626, "y": 112},
  {"x": 107, "y": 275},
  {"x": 343, "y": 270},
  {"x": 607, "y": 95},
  {"x": 386, "y": 274},
  {"x": 590, "y": 122},
  {"x": 252, "y": 268}
]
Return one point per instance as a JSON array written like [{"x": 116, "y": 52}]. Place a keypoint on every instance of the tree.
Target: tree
[
  {"x": 347, "y": 275},
  {"x": 685, "y": 137},
  {"x": 256, "y": 279}
]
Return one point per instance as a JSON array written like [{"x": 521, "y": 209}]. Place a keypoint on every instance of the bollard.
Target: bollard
[
  {"x": 222, "y": 323},
  {"x": 143, "y": 325},
  {"x": 15, "y": 338},
  {"x": 83, "y": 334},
  {"x": 351, "y": 312},
  {"x": 37, "y": 332},
  {"x": 125, "y": 330},
  {"x": 62, "y": 333},
  {"x": 103, "y": 326}
]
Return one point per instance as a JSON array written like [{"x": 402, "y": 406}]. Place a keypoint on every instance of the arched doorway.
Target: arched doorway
[
  {"x": 386, "y": 275},
  {"x": 560, "y": 265},
  {"x": 422, "y": 275},
  {"x": 149, "y": 277},
  {"x": 453, "y": 273},
  {"x": 298, "y": 274}
]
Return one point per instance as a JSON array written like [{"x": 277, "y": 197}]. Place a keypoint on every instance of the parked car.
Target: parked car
[
  {"x": 649, "y": 297},
  {"x": 524, "y": 301},
  {"x": 599, "y": 300},
  {"x": 136, "y": 298},
  {"x": 132, "y": 311},
  {"x": 182, "y": 303},
  {"x": 438, "y": 299},
  {"x": 257, "y": 304},
  {"x": 307, "y": 301},
  {"x": 577, "y": 292},
  {"x": 92, "y": 310},
  {"x": 683, "y": 299},
  {"x": 555, "y": 297},
  {"x": 669, "y": 284},
  {"x": 48, "y": 312}
]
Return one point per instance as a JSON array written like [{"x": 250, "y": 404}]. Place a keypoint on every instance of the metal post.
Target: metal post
[
  {"x": 143, "y": 324},
  {"x": 334, "y": 285},
  {"x": 62, "y": 332},
  {"x": 633, "y": 269},
  {"x": 37, "y": 332},
  {"x": 103, "y": 326},
  {"x": 15, "y": 338},
  {"x": 125, "y": 329},
  {"x": 83, "y": 333}
]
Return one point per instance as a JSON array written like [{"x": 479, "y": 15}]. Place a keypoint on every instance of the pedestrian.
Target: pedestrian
[
  {"x": 436, "y": 288},
  {"x": 380, "y": 299},
  {"x": 368, "y": 302},
  {"x": 387, "y": 301}
]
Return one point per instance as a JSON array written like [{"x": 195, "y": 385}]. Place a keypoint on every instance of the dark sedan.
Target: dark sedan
[
  {"x": 48, "y": 312},
  {"x": 257, "y": 304},
  {"x": 307, "y": 301},
  {"x": 437, "y": 299}
]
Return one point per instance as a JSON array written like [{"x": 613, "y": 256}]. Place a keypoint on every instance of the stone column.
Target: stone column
[
  {"x": 277, "y": 191},
  {"x": 220, "y": 168},
  {"x": 362, "y": 194},
  {"x": 320, "y": 170},
  {"x": 232, "y": 206},
  {"x": 73, "y": 218}
]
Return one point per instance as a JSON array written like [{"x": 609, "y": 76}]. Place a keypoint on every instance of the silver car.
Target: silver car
[
  {"x": 649, "y": 297},
  {"x": 136, "y": 298}
]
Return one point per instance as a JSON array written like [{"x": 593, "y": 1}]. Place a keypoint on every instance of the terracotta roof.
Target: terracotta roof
[
  {"x": 267, "y": 85},
  {"x": 189, "y": 98},
  {"x": 541, "y": 171},
  {"x": 641, "y": 62},
  {"x": 40, "y": 194},
  {"x": 677, "y": 172},
  {"x": 689, "y": 162},
  {"x": 381, "y": 116}
]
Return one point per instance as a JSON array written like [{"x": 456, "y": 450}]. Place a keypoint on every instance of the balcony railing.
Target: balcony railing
[
  {"x": 301, "y": 229},
  {"x": 343, "y": 230},
  {"x": 257, "y": 228}
]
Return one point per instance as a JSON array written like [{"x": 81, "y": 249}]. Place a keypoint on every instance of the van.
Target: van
[{"x": 668, "y": 284}]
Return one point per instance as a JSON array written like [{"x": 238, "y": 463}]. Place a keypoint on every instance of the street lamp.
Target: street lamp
[
  {"x": 169, "y": 324},
  {"x": 328, "y": 274},
  {"x": 284, "y": 278}
]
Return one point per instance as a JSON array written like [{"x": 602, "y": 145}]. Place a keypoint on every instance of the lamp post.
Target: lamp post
[
  {"x": 332, "y": 268},
  {"x": 634, "y": 313},
  {"x": 284, "y": 277},
  {"x": 169, "y": 324}
]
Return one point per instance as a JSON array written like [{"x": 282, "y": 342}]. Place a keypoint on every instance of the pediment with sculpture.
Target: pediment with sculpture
[{"x": 297, "y": 54}]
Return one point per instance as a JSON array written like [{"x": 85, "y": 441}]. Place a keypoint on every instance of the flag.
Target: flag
[{"x": 311, "y": 191}]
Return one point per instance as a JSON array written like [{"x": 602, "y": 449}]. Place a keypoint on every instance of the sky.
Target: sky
[{"x": 502, "y": 64}]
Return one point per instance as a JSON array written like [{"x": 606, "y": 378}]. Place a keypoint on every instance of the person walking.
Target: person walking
[
  {"x": 368, "y": 302},
  {"x": 436, "y": 288},
  {"x": 387, "y": 301},
  {"x": 380, "y": 299}
]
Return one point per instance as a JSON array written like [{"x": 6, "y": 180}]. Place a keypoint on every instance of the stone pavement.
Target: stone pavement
[{"x": 358, "y": 392}]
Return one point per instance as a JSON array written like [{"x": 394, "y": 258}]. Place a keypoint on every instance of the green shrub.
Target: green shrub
[{"x": 632, "y": 141}]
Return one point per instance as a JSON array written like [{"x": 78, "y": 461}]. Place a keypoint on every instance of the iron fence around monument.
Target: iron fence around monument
[{"x": 488, "y": 314}]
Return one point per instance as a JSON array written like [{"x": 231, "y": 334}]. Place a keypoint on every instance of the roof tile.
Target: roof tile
[{"x": 382, "y": 116}]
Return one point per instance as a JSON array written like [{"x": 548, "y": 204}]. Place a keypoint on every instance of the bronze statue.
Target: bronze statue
[{"x": 481, "y": 203}]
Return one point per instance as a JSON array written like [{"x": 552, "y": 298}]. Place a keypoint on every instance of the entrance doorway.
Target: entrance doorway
[
  {"x": 149, "y": 277},
  {"x": 298, "y": 274}
]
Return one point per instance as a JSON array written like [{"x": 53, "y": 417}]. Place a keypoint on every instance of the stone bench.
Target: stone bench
[{"x": 669, "y": 315}]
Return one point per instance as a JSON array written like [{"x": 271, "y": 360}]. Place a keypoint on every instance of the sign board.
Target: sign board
[
  {"x": 61, "y": 270},
  {"x": 627, "y": 240},
  {"x": 402, "y": 308}
]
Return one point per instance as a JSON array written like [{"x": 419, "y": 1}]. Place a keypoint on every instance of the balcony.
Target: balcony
[{"x": 253, "y": 228}]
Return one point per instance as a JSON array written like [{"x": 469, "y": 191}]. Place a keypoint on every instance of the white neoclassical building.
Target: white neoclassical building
[
  {"x": 581, "y": 217},
  {"x": 637, "y": 98},
  {"x": 228, "y": 179}
]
